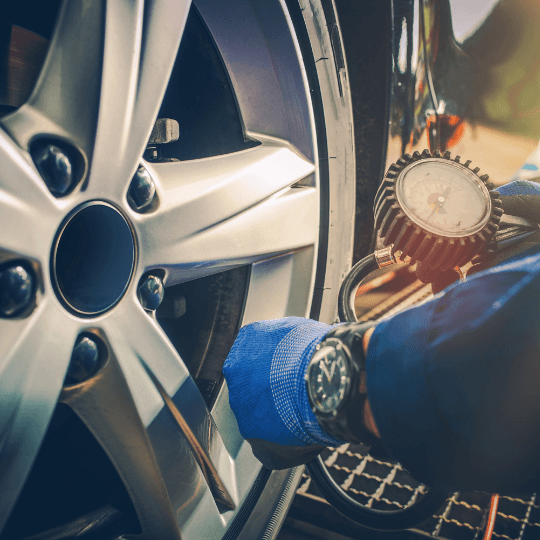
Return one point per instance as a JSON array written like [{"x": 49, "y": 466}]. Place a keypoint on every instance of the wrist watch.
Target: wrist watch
[{"x": 334, "y": 380}]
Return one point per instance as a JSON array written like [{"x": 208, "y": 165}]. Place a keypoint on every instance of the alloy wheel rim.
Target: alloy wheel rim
[{"x": 190, "y": 223}]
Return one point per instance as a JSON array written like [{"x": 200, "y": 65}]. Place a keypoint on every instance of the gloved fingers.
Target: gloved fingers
[
  {"x": 439, "y": 280},
  {"x": 521, "y": 198},
  {"x": 265, "y": 376},
  {"x": 277, "y": 457},
  {"x": 526, "y": 206}
]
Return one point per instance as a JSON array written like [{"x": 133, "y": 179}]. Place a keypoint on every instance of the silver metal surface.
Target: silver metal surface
[
  {"x": 193, "y": 233},
  {"x": 35, "y": 353},
  {"x": 16, "y": 286},
  {"x": 270, "y": 86},
  {"x": 142, "y": 190},
  {"x": 55, "y": 168},
  {"x": 150, "y": 293},
  {"x": 105, "y": 405},
  {"x": 199, "y": 448}
]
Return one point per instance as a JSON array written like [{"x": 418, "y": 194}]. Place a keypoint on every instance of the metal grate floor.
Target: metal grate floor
[{"x": 385, "y": 485}]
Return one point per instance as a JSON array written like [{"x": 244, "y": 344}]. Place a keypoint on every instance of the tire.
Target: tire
[
  {"x": 335, "y": 129},
  {"x": 144, "y": 441}
]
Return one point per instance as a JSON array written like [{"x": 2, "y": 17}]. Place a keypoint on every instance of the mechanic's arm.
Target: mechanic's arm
[{"x": 452, "y": 384}]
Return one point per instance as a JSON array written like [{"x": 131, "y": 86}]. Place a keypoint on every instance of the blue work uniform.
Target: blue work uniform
[{"x": 454, "y": 383}]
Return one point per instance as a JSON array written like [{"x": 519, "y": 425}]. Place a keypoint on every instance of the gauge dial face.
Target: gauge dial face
[
  {"x": 443, "y": 197},
  {"x": 329, "y": 378}
]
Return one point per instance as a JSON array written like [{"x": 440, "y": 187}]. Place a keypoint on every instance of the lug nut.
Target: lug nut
[
  {"x": 84, "y": 360},
  {"x": 151, "y": 292},
  {"x": 16, "y": 290},
  {"x": 142, "y": 190},
  {"x": 55, "y": 168}
]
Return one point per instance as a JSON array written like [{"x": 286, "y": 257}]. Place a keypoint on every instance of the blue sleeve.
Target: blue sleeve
[{"x": 454, "y": 384}]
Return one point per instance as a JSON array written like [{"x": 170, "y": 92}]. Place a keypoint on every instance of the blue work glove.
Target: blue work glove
[
  {"x": 267, "y": 392},
  {"x": 520, "y": 198}
]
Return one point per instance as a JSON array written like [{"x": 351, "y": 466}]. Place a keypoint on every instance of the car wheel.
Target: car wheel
[{"x": 124, "y": 279}]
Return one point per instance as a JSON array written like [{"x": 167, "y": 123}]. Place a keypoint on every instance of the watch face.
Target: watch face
[
  {"x": 329, "y": 378},
  {"x": 443, "y": 197}
]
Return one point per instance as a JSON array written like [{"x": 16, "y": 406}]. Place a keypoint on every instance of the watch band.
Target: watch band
[{"x": 348, "y": 423}]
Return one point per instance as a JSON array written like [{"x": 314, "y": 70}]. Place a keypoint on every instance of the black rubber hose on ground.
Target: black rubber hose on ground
[{"x": 395, "y": 520}]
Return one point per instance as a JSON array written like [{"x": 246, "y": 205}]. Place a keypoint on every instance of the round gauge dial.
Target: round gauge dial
[
  {"x": 443, "y": 197},
  {"x": 329, "y": 378},
  {"x": 436, "y": 210}
]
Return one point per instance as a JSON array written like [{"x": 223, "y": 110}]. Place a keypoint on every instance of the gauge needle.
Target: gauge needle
[
  {"x": 446, "y": 193},
  {"x": 332, "y": 369},
  {"x": 325, "y": 369},
  {"x": 440, "y": 201},
  {"x": 437, "y": 206}
]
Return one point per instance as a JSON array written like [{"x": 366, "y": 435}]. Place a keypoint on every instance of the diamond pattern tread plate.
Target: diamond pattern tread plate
[{"x": 385, "y": 485}]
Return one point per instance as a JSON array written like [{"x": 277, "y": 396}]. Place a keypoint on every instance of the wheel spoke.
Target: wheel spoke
[
  {"x": 105, "y": 94},
  {"x": 105, "y": 405},
  {"x": 222, "y": 212},
  {"x": 156, "y": 376},
  {"x": 137, "y": 339},
  {"x": 28, "y": 214},
  {"x": 34, "y": 356}
]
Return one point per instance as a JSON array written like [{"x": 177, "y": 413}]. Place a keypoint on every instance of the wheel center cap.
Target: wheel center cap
[{"x": 93, "y": 258}]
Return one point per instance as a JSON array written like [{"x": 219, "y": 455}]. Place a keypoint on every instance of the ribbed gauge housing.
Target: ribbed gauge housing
[{"x": 436, "y": 252}]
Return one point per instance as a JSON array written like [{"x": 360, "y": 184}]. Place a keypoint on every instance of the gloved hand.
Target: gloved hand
[
  {"x": 267, "y": 392},
  {"x": 519, "y": 198}
]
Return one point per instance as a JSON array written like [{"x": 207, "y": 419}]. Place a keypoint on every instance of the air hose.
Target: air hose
[{"x": 351, "y": 282}]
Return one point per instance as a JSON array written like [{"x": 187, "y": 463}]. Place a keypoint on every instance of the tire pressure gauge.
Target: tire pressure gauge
[{"x": 436, "y": 210}]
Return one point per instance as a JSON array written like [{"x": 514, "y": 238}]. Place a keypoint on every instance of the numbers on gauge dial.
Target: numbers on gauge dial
[
  {"x": 329, "y": 378},
  {"x": 444, "y": 198}
]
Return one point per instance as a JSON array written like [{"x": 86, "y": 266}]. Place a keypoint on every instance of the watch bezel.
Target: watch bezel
[{"x": 351, "y": 379}]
